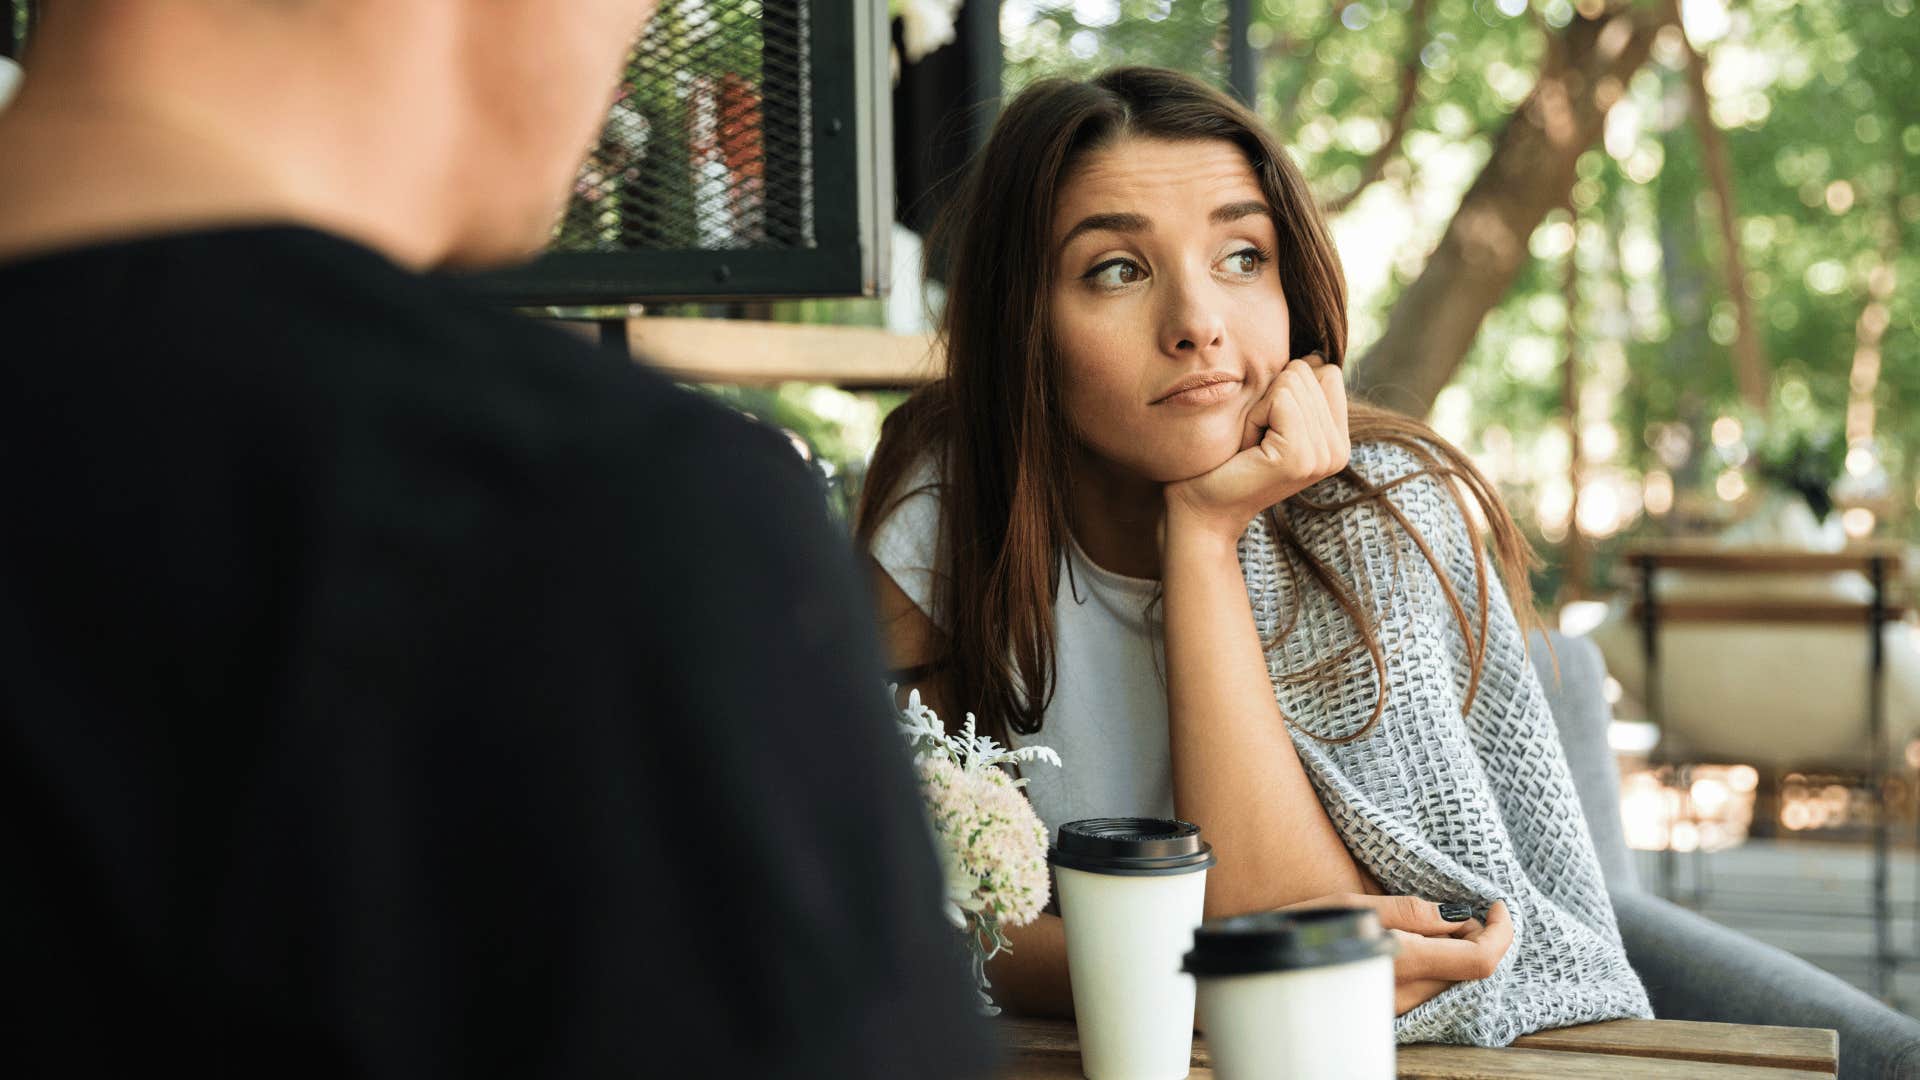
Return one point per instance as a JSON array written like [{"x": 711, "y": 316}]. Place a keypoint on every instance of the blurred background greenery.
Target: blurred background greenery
[{"x": 1616, "y": 390}]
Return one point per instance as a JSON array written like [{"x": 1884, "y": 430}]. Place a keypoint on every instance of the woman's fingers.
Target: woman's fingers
[
  {"x": 1408, "y": 995},
  {"x": 1499, "y": 927},
  {"x": 1452, "y": 959},
  {"x": 1287, "y": 428},
  {"x": 1321, "y": 441},
  {"x": 1321, "y": 412},
  {"x": 1473, "y": 956},
  {"x": 1333, "y": 385},
  {"x": 1330, "y": 383},
  {"x": 1257, "y": 421},
  {"x": 1433, "y": 951},
  {"x": 1299, "y": 429},
  {"x": 1406, "y": 913}
]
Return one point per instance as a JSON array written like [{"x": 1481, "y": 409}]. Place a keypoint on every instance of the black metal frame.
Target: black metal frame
[
  {"x": 943, "y": 110},
  {"x": 12, "y": 44},
  {"x": 1242, "y": 64},
  {"x": 833, "y": 267},
  {"x": 1885, "y": 958}
]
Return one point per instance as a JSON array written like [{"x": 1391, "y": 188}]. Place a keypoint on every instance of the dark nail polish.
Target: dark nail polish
[{"x": 1454, "y": 911}]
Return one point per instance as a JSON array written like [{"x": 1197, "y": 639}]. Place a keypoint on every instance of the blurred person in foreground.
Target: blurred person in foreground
[{"x": 392, "y": 686}]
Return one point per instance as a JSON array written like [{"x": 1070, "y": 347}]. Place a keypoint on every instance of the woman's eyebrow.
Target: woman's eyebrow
[
  {"x": 1137, "y": 223},
  {"x": 1126, "y": 223},
  {"x": 1234, "y": 211}
]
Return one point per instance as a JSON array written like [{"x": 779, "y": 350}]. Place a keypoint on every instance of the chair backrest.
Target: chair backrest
[
  {"x": 1580, "y": 710},
  {"x": 1741, "y": 628}
]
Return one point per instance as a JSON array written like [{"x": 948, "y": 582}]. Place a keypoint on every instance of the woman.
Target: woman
[{"x": 1139, "y": 521}]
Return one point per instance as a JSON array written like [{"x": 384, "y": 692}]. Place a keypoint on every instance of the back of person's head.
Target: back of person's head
[{"x": 466, "y": 118}]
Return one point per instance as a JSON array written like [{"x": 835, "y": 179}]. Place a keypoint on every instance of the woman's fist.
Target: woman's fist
[{"x": 1296, "y": 436}]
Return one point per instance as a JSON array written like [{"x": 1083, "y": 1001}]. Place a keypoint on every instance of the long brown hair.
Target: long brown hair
[{"x": 999, "y": 433}]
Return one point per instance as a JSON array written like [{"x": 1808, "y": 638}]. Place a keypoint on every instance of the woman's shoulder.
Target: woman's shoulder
[
  {"x": 905, "y": 542},
  {"x": 914, "y": 501},
  {"x": 1412, "y": 472},
  {"x": 1383, "y": 461}
]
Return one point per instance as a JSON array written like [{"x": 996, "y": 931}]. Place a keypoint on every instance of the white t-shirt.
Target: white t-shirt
[{"x": 1108, "y": 716}]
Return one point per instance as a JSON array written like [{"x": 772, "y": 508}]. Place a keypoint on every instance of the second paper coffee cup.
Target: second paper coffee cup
[
  {"x": 1305, "y": 993},
  {"x": 1132, "y": 890}
]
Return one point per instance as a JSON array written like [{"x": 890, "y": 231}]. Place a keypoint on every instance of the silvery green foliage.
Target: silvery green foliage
[
  {"x": 992, "y": 847},
  {"x": 969, "y": 749}
]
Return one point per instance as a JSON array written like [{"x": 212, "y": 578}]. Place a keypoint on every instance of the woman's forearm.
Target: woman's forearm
[
  {"x": 1235, "y": 771},
  {"x": 1031, "y": 978}
]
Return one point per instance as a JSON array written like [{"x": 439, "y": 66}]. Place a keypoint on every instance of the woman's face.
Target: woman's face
[{"x": 1168, "y": 315}]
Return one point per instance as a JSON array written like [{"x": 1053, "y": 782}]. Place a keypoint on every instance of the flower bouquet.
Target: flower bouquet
[{"x": 992, "y": 845}]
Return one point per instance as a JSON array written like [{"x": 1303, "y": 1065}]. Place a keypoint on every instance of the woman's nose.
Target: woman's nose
[{"x": 1192, "y": 322}]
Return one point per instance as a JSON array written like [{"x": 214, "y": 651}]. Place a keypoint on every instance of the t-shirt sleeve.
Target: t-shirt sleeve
[{"x": 906, "y": 543}]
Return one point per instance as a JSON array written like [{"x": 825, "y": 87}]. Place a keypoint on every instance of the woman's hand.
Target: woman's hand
[
  {"x": 1434, "y": 953},
  {"x": 1296, "y": 436}
]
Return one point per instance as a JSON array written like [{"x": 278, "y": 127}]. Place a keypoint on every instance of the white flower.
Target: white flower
[
  {"x": 925, "y": 25},
  {"x": 992, "y": 846},
  {"x": 11, "y": 74}
]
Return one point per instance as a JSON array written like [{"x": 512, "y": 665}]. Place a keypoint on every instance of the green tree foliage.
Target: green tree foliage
[{"x": 1822, "y": 125}]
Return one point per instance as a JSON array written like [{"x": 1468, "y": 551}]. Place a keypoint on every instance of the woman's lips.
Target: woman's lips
[{"x": 1210, "y": 393}]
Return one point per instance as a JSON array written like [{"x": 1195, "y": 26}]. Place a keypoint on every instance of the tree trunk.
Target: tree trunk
[
  {"x": 1871, "y": 328},
  {"x": 1531, "y": 172},
  {"x": 1574, "y": 585},
  {"x": 1750, "y": 368}
]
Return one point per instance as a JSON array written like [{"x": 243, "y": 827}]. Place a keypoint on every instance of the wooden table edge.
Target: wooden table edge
[
  {"x": 1447, "y": 1061},
  {"x": 1792, "y": 1051},
  {"x": 1825, "y": 1061}
]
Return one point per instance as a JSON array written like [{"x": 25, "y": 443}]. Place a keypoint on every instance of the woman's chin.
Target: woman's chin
[
  {"x": 1197, "y": 461},
  {"x": 1168, "y": 461}
]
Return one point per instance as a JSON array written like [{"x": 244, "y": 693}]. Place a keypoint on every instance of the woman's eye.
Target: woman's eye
[
  {"x": 1246, "y": 261},
  {"x": 1116, "y": 273}
]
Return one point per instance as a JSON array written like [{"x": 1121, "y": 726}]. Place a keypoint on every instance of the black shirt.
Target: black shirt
[{"x": 391, "y": 686}]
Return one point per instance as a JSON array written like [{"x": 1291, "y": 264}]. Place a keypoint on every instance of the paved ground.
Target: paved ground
[{"x": 1812, "y": 899}]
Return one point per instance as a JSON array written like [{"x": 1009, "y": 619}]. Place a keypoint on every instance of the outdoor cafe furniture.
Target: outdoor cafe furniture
[
  {"x": 1620, "y": 1050},
  {"x": 1779, "y": 658},
  {"x": 1763, "y": 656},
  {"x": 1693, "y": 967}
]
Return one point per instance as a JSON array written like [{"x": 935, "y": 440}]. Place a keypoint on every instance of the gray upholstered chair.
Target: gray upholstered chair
[{"x": 1694, "y": 968}]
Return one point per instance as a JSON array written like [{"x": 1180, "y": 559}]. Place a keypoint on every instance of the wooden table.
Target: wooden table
[{"x": 1617, "y": 1050}]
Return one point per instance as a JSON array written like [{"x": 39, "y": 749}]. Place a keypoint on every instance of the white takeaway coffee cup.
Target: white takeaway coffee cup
[
  {"x": 1305, "y": 993},
  {"x": 1131, "y": 890}
]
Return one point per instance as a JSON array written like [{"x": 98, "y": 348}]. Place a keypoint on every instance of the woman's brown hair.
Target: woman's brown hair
[{"x": 997, "y": 429}]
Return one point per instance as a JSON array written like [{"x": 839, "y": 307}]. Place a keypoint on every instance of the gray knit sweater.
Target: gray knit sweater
[{"x": 1434, "y": 802}]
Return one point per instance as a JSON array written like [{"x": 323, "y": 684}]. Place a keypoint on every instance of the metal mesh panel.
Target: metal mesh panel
[{"x": 708, "y": 145}]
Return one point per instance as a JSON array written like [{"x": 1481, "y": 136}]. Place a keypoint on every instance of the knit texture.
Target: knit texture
[{"x": 1440, "y": 799}]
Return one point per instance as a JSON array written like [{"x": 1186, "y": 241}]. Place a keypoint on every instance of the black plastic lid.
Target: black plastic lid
[
  {"x": 1131, "y": 847},
  {"x": 1287, "y": 941}
]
